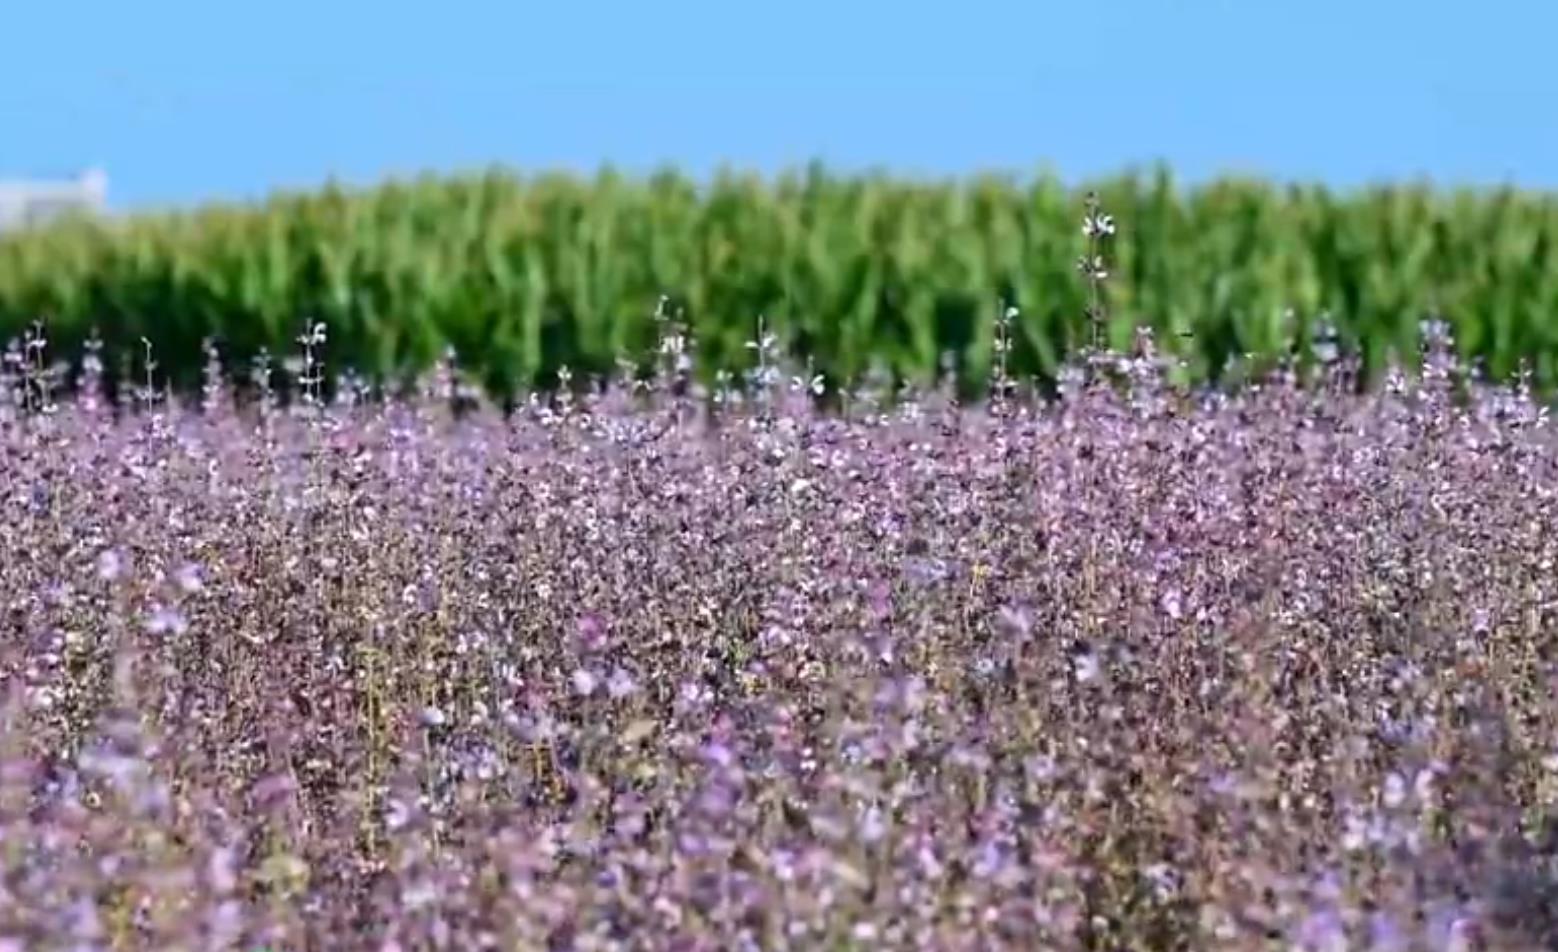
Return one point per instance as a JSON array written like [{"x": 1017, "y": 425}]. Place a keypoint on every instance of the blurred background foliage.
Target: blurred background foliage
[{"x": 521, "y": 275}]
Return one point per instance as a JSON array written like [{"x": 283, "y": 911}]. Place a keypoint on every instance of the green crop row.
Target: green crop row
[{"x": 521, "y": 276}]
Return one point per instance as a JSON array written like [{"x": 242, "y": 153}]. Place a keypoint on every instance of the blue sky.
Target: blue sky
[{"x": 182, "y": 101}]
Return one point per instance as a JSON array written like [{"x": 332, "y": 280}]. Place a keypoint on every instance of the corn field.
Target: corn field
[{"x": 524, "y": 276}]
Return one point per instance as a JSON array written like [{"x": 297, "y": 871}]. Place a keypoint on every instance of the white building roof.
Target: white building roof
[{"x": 31, "y": 201}]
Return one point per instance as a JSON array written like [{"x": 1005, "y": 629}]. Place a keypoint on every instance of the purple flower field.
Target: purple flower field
[{"x": 1135, "y": 668}]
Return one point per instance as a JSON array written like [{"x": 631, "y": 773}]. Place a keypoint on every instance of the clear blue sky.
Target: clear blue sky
[{"x": 185, "y": 101}]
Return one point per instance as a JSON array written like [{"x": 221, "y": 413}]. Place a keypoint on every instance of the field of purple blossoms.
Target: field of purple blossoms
[{"x": 1135, "y": 668}]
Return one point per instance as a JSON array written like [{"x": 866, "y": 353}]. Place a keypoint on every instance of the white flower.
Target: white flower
[
  {"x": 1395, "y": 792},
  {"x": 816, "y": 385},
  {"x": 110, "y": 564},
  {"x": 1164, "y": 880},
  {"x": 873, "y": 826},
  {"x": 188, "y": 578},
  {"x": 1092, "y": 267},
  {"x": 315, "y": 335},
  {"x": 1096, "y": 226},
  {"x": 1354, "y": 834},
  {"x": 396, "y": 815},
  {"x": 1085, "y": 666}
]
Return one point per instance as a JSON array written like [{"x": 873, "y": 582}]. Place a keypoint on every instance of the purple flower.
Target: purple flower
[
  {"x": 620, "y": 684},
  {"x": 591, "y": 632},
  {"x": 166, "y": 620}
]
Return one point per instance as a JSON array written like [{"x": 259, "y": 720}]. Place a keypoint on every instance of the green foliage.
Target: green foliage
[{"x": 521, "y": 276}]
